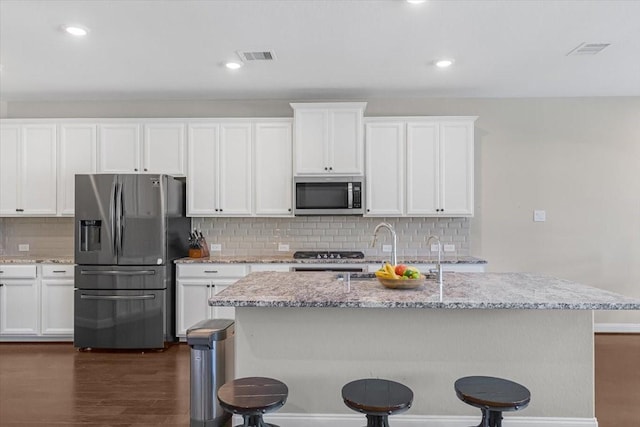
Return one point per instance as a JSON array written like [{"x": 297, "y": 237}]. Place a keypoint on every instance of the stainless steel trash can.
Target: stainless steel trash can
[{"x": 209, "y": 341}]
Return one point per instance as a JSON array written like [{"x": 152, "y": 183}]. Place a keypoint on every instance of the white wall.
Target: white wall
[{"x": 576, "y": 158}]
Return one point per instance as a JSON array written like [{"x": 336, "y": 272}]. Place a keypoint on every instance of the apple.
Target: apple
[{"x": 400, "y": 269}]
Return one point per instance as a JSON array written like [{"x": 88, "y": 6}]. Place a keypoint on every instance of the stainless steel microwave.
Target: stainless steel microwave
[{"x": 329, "y": 195}]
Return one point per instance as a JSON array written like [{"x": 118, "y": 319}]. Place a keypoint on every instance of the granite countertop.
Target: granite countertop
[
  {"x": 461, "y": 291},
  {"x": 288, "y": 259},
  {"x": 35, "y": 260}
]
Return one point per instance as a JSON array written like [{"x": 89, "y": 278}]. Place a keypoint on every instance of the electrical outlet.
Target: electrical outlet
[
  {"x": 449, "y": 247},
  {"x": 434, "y": 247},
  {"x": 386, "y": 248},
  {"x": 216, "y": 247},
  {"x": 23, "y": 248},
  {"x": 539, "y": 216},
  {"x": 283, "y": 247}
]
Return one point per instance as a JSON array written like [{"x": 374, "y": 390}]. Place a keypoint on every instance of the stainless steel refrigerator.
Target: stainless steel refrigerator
[{"x": 128, "y": 230}]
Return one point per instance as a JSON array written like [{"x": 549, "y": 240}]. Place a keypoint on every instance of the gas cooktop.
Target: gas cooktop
[{"x": 328, "y": 255}]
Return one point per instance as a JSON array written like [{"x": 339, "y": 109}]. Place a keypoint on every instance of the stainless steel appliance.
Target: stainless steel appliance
[
  {"x": 328, "y": 266},
  {"x": 329, "y": 195},
  {"x": 128, "y": 231}
]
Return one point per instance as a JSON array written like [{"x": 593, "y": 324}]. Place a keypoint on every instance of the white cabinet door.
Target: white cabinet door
[
  {"x": 164, "y": 149},
  {"x": 9, "y": 168},
  {"x": 77, "y": 153},
  {"x": 346, "y": 148},
  {"x": 328, "y": 138},
  {"x": 57, "y": 307},
  {"x": 202, "y": 175},
  {"x": 192, "y": 304},
  {"x": 273, "y": 175},
  {"x": 456, "y": 168},
  {"x": 423, "y": 169},
  {"x": 38, "y": 175},
  {"x": 56, "y": 313},
  {"x": 234, "y": 167},
  {"x": 385, "y": 168},
  {"x": 119, "y": 148},
  {"x": 19, "y": 307},
  {"x": 311, "y": 141}
]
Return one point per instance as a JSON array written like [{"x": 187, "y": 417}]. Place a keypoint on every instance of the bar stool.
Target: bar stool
[
  {"x": 493, "y": 396},
  {"x": 251, "y": 397},
  {"x": 377, "y": 399}
]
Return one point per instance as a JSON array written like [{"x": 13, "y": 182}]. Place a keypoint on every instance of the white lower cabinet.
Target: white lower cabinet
[
  {"x": 196, "y": 283},
  {"x": 57, "y": 300},
  {"x": 36, "y": 301},
  {"x": 19, "y": 300}
]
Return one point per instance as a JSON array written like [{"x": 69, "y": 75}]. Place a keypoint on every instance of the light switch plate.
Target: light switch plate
[
  {"x": 216, "y": 247},
  {"x": 539, "y": 216},
  {"x": 23, "y": 248},
  {"x": 282, "y": 247},
  {"x": 386, "y": 248},
  {"x": 449, "y": 247}
]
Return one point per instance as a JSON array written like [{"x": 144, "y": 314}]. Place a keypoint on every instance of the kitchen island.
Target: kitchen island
[{"x": 316, "y": 333}]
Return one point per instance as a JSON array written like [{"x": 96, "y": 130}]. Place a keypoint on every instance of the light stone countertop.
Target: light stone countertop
[
  {"x": 461, "y": 291},
  {"x": 288, "y": 259},
  {"x": 36, "y": 260}
]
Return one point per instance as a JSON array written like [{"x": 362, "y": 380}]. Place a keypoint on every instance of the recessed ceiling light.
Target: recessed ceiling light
[
  {"x": 444, "y": 63},
  {"x": 76, "y": 30},
  {"x": 233, "y": 65},
  {"x": 416, "y": 1}
]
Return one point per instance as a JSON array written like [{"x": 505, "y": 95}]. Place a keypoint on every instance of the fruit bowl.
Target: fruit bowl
[{"x": 402, "y": 283}]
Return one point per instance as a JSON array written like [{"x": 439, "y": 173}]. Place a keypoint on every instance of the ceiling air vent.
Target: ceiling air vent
[
  {"x": 267, "y": 55},
  {"x": 588, "y": 48}
]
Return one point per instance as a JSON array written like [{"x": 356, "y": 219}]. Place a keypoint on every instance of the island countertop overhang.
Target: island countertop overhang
[{"x": 461, "y": 291}]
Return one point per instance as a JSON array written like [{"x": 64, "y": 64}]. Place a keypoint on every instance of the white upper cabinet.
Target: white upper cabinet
[
  {"x": 428, "y": 160},
  {"x": 273, "y": 177},
  {"x": 28, "y": 169},
  {"x": 142, "y": 148},
  {"x": 164, "y": 149},
  {"x": 220, "y": 169},
  {"x": 119, "y": 146},
  {"x": 77, "y": 153},
  {"x": 328, "y": 138},
  {"x": 385, "y": 154}
]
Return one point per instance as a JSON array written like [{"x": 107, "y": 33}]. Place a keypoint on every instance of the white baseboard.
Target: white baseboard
[
  {"x": 357, "y": 420},
  {"x": 617, "y": 328}
]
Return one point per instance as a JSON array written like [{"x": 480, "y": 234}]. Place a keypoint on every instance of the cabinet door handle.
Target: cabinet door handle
[
  {"x": 19, "y": 210},
  {"x": 330, "y": 168},
  {"x": 1, "y": 285},
  {"x": 145, "y": 169},
  {"x": 59, "y": 271},
  {"x": 211, "y": 271},
  {"x": 135, "y": 169}
]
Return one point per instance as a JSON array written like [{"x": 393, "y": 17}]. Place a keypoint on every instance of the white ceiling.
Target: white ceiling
[{"x": 326, "y": 49}]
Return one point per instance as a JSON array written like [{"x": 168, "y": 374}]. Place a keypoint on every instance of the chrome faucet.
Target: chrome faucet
[
  {"x": 394, "y": 254},
  {"x": 438, "y": 269}
]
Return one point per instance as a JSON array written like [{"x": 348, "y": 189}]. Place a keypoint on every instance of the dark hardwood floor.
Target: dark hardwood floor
[{"x": 55, "y": 385}]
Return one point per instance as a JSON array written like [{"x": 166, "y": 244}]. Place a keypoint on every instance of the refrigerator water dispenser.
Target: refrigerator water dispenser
[{"x": 90, "y": 235}]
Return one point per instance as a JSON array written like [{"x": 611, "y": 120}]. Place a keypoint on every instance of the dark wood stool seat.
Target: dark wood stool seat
[
  {"x": 493, "y": 396},
  {"x": 377, "y": 399},
  {"x": 251, "y": 397}
]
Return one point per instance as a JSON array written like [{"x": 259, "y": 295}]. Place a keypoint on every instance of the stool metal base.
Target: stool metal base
[
  {"x": 255, "y": 421},
  {"x": 377, "y": 421},
  {"x": 491, "y": 418}
]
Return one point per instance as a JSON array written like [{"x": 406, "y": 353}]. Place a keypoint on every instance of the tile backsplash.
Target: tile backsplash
[
  {"x": 45, "y": 236},
  {"x": 261, "y": 236}
]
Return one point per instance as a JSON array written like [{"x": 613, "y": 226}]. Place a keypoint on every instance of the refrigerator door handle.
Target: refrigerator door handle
[
  {"x": 122, "y": 216},
  {"x": 117, "y": 273},
  {"x": 119, "y": 211},
  {"x": 113, "y": 216},
  {"x": 117, "y": 297}
]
